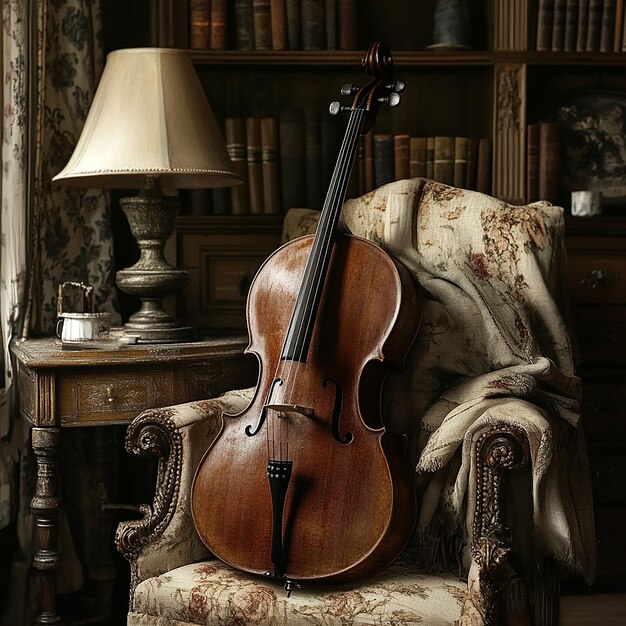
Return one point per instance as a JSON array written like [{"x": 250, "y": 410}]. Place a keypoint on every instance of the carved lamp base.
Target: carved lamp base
[{"x": 151, "y": 218}]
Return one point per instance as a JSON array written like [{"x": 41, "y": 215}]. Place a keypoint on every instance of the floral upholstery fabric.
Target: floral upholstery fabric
[
  {"x": 493, "y": 349},
  {"x": 213, "y": 593}
]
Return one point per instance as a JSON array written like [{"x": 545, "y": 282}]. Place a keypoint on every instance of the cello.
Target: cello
[{"x": 306, "y": 484}]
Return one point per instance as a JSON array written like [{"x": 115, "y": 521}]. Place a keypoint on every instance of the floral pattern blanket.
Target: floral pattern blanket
[{"x": 493, "y": 347}]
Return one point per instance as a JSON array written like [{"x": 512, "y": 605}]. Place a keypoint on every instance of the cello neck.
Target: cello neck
[{"x": 298, "y": 338}]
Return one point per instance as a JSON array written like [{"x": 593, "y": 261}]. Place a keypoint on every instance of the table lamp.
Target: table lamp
[{"x": 150, "y": 127}]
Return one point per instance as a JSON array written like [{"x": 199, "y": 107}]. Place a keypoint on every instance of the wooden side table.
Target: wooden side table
[{"x": 110, "y": 383}]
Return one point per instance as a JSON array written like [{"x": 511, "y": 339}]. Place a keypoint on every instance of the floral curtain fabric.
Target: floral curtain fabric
[{"x": 52, "y": 59}]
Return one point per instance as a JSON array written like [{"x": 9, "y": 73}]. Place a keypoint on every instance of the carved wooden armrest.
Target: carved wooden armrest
[{"x": 499, "y": 450}]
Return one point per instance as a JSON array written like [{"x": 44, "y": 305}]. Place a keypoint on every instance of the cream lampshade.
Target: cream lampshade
[{"x": 150, "y": 126}]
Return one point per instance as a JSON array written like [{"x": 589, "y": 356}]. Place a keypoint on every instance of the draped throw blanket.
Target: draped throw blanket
[{"x": 493, "y": 347}]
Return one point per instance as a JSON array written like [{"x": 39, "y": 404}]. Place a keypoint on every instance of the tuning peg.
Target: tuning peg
[
  {"x": 349, "y": 89},
  {"x": 336, "y": 108},
  {"x": 398, "y": 86},
  {"x": 393, "y": 99}
]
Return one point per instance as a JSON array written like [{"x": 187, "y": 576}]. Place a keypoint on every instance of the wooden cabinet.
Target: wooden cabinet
[{"x": 597, "y": 279}]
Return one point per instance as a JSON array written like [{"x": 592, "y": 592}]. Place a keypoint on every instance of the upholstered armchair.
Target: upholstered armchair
[{"x": 489, "y": 401}]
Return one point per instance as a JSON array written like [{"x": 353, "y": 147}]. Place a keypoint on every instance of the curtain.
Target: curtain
[{"x": 52, "y": 59}]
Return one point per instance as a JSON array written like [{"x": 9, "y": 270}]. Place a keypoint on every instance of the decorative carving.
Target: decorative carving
[
  {"x": 45, "y": 507},
  {"x": 152, "y": 433},
  {"x": 500, "y": 449},
  {"x": 509, "y": 101}
]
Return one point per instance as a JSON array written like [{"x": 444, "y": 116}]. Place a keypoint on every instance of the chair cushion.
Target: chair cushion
[{"x": 210, "y": 592}]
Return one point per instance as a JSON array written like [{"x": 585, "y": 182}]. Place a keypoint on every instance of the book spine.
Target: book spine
[
  {"x": 532, "y": 163},
  {"x": 369, "y": 183},
  {"x": 607, "y": 26},
  {"x": 401, "y": 161},
  {"x": 262, "y": 22},
  {"x": 545, "y": 14},
  {"x": 583, "y": 20},
  {"x": 292, "y": 165},
  {"x": 417, "y": 157},
  {"x": 460, "y": 161},
  {"x": 571, "y": 25},
  {"x": 269, "y": 165},
  {"x": 243, "y": 25},
  {"x": 619, "y": 25},
  {"x": 558, "y": 25},
  {"x": 312, "y": 154},
  {"x": 483, "y": 174},
  {"x": 313, "y": 25},
  {"x": 294, "y": 24},
  {"x": 330, "y": 10},
  {"x": 218, "y": 24},
  {"x": 549, "y": 161},
  {"x": 594, "y": 25},
  {"x": 346, "y": 15},
  {"x": 430, "y": 157},
  {"x": 255, "y": 168},
  {"x": 444, "y": 160},
  {"x": 472, "y": 162},
  {"x": 383, "y": 160},
  {"x": 279, "y": 24},
  {"x": 235, "y": 131},
  {"x": 200, "y": 24}
]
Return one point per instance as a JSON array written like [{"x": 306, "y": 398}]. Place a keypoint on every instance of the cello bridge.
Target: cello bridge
[{"x": 285, "y": 410}]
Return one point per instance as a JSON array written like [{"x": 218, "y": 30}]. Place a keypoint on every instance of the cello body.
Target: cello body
[{"x": 306, "y": 484}]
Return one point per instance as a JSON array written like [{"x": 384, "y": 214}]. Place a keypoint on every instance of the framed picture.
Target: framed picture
[{"x": 593, "y": 139}]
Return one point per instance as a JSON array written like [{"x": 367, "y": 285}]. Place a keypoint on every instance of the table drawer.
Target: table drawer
[
  {"x": 597, "y": 278},
  {"x": 112, "y": 396}
]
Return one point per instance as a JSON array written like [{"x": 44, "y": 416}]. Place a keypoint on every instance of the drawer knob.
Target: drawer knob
[
  {"x": 599, "y": 278},
  {"x": 110, "y": 394}
]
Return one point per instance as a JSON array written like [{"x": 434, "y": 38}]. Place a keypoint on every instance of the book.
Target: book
[
  {"x": 383, "y": 160},
  {"x": 369, "y": 181},
  {"x": 254, "y": 161},
  {"x": 472, "y": 162},
  {"x": 313, "y": 25},
  {"x": 269, "y": 165},
  {"x": 218, "y": 24},
  {"x": 200, "y": 24},
  {"x": 346, "y": 20},
  {"x": 401, "y": 163},
  {"x": 607, "y": 26},
  {"x": 292, "y": 159},
  {"x": 594, "y": 25},
  {"x": 312, "y": 153},
  {"x": 532, "y": 163},
  {"x": 244, "y": 28},
  {"x": 583, "y": 19},
  {"x": 417, "y": 157},
  {"x": 549, "y": 161},
  {"x": 483, "y": 173},
  {"x": 294, "y": 24},
  {"x": 330, "y": 11},
  {"x": 571, "y": 25},
  {"x": 619, "y": 25},
  {"x": 262, "y": 24},
  {"x": 430, "y": 157},
  {"x": 444, "y": 160},
  {"x": 545, "y": 14},
  {"x": 235, "y": 131},
  {"x": 460, "y": 161},
  {"x": 558, "y": 25},
  {"x": 279, "y": 24}
]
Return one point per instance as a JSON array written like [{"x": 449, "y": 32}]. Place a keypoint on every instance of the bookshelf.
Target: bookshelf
[{"x": 494, "y": 90}]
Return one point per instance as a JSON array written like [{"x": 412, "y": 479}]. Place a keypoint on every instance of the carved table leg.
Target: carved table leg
[{"x": 45, "y": 507}]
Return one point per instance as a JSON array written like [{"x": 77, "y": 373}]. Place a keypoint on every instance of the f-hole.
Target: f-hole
[
  {"x": 337, "y": 409},
  {"x": 248, "y": 430}
]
